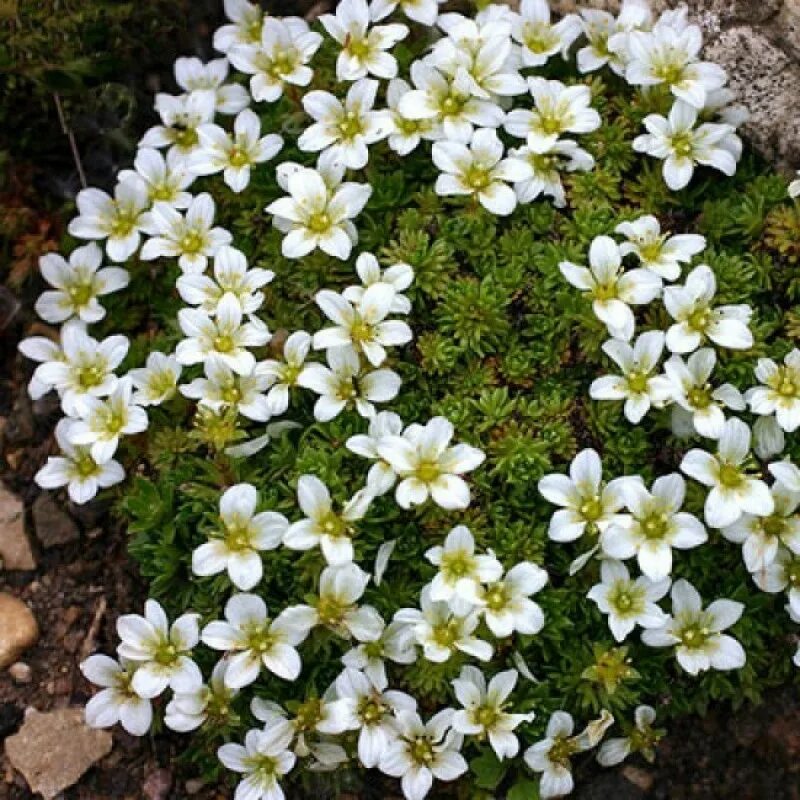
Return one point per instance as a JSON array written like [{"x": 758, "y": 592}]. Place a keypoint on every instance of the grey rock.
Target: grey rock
[{"x": 53, "y": 526}]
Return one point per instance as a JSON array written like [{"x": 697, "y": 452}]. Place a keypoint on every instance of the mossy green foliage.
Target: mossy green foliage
[{"x": 506, "y": 349}]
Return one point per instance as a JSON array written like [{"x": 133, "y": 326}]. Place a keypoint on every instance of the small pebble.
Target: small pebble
[{"x": 20, "y": 673}]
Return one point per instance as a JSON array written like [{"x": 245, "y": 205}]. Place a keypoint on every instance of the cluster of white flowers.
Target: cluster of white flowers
[{"x": 473, "y": 83}]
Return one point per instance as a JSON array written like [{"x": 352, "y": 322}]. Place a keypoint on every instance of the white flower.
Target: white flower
[
  {"x": 612, "y": 289},
  {"x": 656, "y": 251},
  {"x": 77, "y": 284},
  {"x": 117, "y": 701},
  {"x": 235, "y": 545},
  {"x": 794, "y": 187},
  {"x": 786, "y": 473},
  {"x": 398, "y": 276},
  {"x": 345, "y": 129},
  {"x": 588, "y": 504},
  {"x": 255, "y": 640},
  {"x": 696, "y": 320},
  {"x": 694, "y": 394},
  {"x": 224, "y": 336},
  {"x": 441, "y": 632},
  {"x": 187, "y": 711},
  {"x": 245, "y": 28},
  {"x": 85, "y": 367},
  {"x": 362, "y": 327},
  {"x": 428, "y": 466},
  {"x": 733, "y": 490},
  {"x": 676, "y": 141},
  {"x": 669, "y": 57},
  {"x": 281, "y": 57},
  {"x": 381, "y": 478},
  {"x": 564, "y": 155},
  {"x": 637, "y": 386},
  {"x": 222, "y": 388},
  {"x": 480, "y": 171},
  {"x": 192, "y": 75},
  {"x": 782, "y": 573},
  {"x": 641, "y": 739},
  {"x": 345, "y": 383},
  {"x": 422, "y": 752},
  {"x": 484, "y": 712},
  {"x": 557, "y": 109},
  {"x": 697, "y": 634},
  {"x": 780, "y": 394},
  {"x": 104, "y": 421},
  {"x": 181, "y": 117},
  {"x": 231, "y": 276},
  {"x": 458, "y": 565},
  {"x": 281, "y": 376},
  {"x": 76, "y": 469},
  {"x": 161, "y": 650},
  {"x": 234, "y": 154},
  {"x": 323, "y": 527},
  {"x": 395, "y": 642},
  {"x": 340, "y": 588},
  {"x": 628, "y": 602},
  {"x": 551, "y": 756},
  {"x": 406, "y": 133},
  {"x": 262, "y": 760},
  {"x": 761, "y": 537},
  {"x": 44, "y": 350},
  {"x": 607, "y": 35},
  {"x": 449, "y": 102},
  {"x": 316, "y": 216},
  {"x": 364, "y": 49},
  {"x": 157, "y": 381},
  {"x": 538, "y": 36},
  {"x": 164, "y": 180},
  {"x": 118, "y": 219},
  {"x": 423, "y": 11},
  {"x": 655, "y": 525},
  {"x": 371, "y": 709},
  {"x": 505, "y": 603},
  {"x": 190, "y": 238}
]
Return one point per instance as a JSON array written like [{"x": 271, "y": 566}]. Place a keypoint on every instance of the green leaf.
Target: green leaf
[
  {"x": 524, "y": 790},
  {"x": 488, "y": 770}
]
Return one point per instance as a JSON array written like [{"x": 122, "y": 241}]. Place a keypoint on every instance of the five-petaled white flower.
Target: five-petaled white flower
[
  {"x": 332, "y": 531},
  {"x": 395, "y": 642},
  {"x": 406, "y": 134},
  {"x": 191, "y": 238},
  {"x": 484, "y": 713},
  {"x": 157, "y": 381},
  {"x": 280, "y": 57},
  {"x": 234, "y": 154},
  {"x": 344, "y": 383},
  {"x": 459, "y": 565},
  {"x": 479, "y": 170},
  {"x": 246, "y": 19},
  {"x": 192, "y": 75},
  {"x": 235, "y": 543},
  {"x": 222, "y": 388},
  {"x": 780, "y": 393},
  {"x": 538, "y": 36},
  {"x": 428, "y": 466},
  {"x": 187, "y": 711},
  {"x": 262, "y": 760},
  {"x": 116, "y": 701},
  {"x": 365, "y": 51},
  {"x": 161, "y": 651},
  {"x": 680, "y": 145},
  {"x": 317, "y": 216},
  {"x": 588, "y": 503},
  {"x": 694, "y": 395},
  {"x": 734, "y": 491},
  {"x": 557, "y": 109},
  {"x": 398, "y": 276},
  {"x": 422, "y": 752},
  {"x": 76, "y": 469},
  {"x": 696, "y": 633},
  {"x": 638, "y": 386},
  {"x": 641, "y": 739},
  {"x": 612, "y": 289},
  {"x": 656, "y": 251},
  {"x": 77, "y": 284},
  {"x": 362, "y": 326},
  {"x": 627, "y": 602},
  {"x": 283, "y": 375},
  {"x": 118, "y": 219},
  {"x": 655, "y": 525},
  {"x": 255, "y": 640},
  {"x": 381, "y": 478},
  {"x": 164, "y": 180},
  {"x": 697, "y": 320},
  {"x": 224, "y": 336},
  {"x": 181, "y": 116},
  {"x": 564, "y": 155}
]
